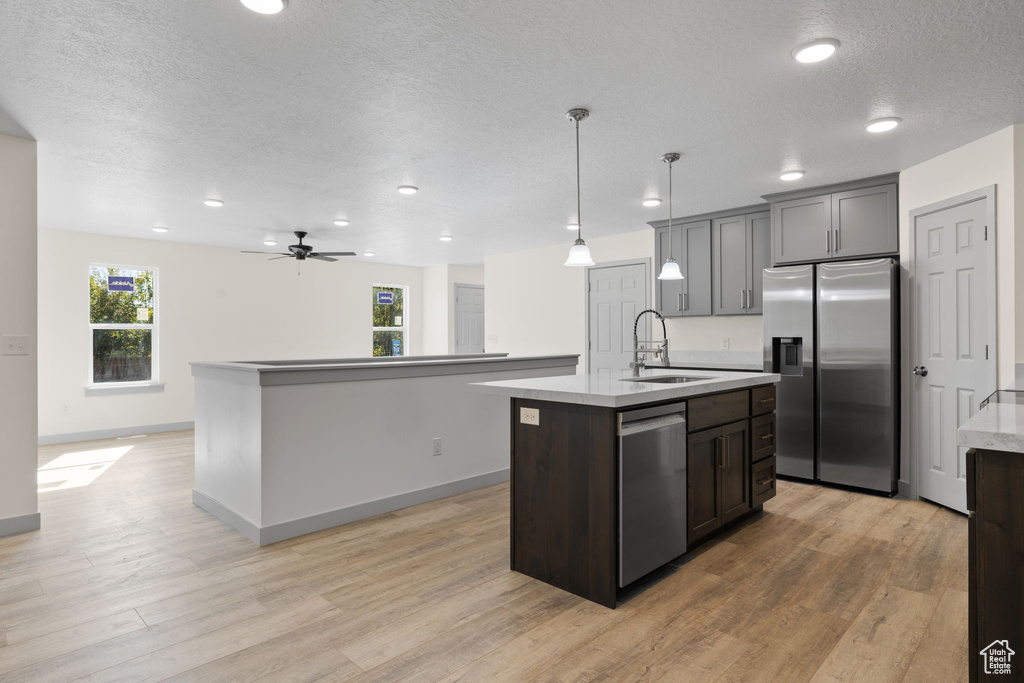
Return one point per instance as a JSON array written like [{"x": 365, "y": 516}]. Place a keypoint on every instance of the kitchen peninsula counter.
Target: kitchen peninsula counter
[{"x": 288, "y": 447}]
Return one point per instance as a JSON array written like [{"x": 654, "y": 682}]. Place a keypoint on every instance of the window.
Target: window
[
  {"x": 122, "y": 322},
  {"x": 389, "y": 320}
]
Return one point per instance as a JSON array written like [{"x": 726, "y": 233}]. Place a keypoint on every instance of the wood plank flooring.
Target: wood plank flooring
[{"x": 128, "y": 581}]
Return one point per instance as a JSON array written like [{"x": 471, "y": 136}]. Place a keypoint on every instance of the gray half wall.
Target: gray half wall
[
  {"x": 333, "y": 518},
  {"x": 19, "y": 525}
]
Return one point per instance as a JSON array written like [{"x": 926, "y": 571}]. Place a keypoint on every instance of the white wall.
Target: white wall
[
  {"x": 18, "y": 458},
  {"x": 984, "y": 162},
  {"x": 213, "y": 304},
  {"x": 536, "y": 305}
]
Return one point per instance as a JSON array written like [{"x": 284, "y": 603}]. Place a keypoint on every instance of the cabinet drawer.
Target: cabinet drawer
[
  {"x": 708, "y": 411},
  {"x": 762, "y": 400},
  {"x": 763, "y": 437},
  {"x": 762, "y": 481}
]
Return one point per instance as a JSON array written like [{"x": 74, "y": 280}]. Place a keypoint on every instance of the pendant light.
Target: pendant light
[
  {"x": 579, "y": 254},
  {"x": 670, "y": 269}
]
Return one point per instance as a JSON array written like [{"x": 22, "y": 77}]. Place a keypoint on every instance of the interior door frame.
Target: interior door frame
[
  {"x": 988, "y": 194},
  {"x": 455, "y": 316},
  {"x": 648, "y": 295}
]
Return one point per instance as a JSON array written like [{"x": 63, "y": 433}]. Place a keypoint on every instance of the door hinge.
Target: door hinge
[
  {"x": 588, "y": 346},
  {"x": 986, "y": 233},
  {"x": 588, "y": 286},
  {"x": 986, "y": 351}
]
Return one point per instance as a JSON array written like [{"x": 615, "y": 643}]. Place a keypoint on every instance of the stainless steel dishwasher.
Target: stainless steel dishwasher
[{"x": 652, "y": 489}]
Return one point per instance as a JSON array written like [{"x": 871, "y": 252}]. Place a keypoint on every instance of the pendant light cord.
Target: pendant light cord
[
  {"x": 670, "y": 210},
  {"x": 579, "y": 218}
]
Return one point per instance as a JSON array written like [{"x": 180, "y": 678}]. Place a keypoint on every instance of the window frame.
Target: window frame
[
  {"x": 154, "y": 378},
  {"x": 404, "y": 329}
]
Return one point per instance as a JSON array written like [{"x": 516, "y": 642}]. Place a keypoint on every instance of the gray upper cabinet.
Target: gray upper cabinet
[
  {"x": 802, "y": 229},
  {"x": 864, "y": 222},
  {"x": 850, "y": 220},
  {"x": 691, "y": 248},
  {"x": 741, "y": 250}
]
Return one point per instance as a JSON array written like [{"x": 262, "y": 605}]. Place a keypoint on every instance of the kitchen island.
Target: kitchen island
[
  {"x": 284, "y": 448},
  {"x": 614, "y": 476}
]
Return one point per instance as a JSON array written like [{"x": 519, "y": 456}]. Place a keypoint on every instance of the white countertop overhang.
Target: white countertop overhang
[
  {"x": 996, "y": 427},
  {"x": 609, "y": 389}
]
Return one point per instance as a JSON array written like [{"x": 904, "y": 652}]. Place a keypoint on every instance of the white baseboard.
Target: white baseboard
[
  {"x": 307, "y": 525},
  {"x": 19, "y": 525},
  {"x": 50, "y": 439}
]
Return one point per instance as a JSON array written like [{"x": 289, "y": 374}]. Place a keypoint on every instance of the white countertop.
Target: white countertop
[
  {"x": 997, "y": 427},
  {"x": 608, "y": 390}
]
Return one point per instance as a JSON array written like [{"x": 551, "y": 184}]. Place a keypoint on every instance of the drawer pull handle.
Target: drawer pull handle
[
  {"x": 766, "y": 436},
  {"x": 767, "y": 400},
  {"x": 762, "y": 482}
]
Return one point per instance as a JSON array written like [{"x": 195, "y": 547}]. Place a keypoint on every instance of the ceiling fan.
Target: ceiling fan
[{"x": 301, "y": 252}]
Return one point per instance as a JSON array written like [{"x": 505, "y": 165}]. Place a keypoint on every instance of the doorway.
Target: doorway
[
  {"x": 616, "y": 294},
  {"x": 469, "y": 318},
  {"x": 953, "y": 336}
]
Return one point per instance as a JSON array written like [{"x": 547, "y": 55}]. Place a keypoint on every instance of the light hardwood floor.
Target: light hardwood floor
[{"x": 127, "y": 581}]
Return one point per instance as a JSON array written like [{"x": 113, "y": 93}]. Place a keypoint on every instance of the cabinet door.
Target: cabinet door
[
  {"x": 734, "y": 472},
  {"x": 696, "y": 265},
  {"x": 703, "y": 505},
  {"x": 759, "y": 232},
  {"x": 729, "y": 260},
  {"x": 801, "y": 230},
  {"x": 668, "y": 294},
  {"x": 864, "y": 222}
]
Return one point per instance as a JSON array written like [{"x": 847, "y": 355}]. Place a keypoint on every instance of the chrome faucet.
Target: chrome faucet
[{"x": 660, "y": 351}]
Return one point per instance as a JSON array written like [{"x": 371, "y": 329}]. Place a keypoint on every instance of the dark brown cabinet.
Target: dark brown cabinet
[
  {"x": 703, "y": 490},
  {"x": 995, "y": 555},
  {"x": 734, "y": 472}
]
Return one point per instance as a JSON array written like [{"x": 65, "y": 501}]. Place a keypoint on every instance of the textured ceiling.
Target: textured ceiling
[{"x": 143, "y": 108}]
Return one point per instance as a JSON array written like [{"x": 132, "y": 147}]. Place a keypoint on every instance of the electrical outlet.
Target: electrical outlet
[
  {"x": 530, "y": 416},
  {"x": 15, "y": 345},
  {"x": 725, "y": 343},
  {"x": 65, "y": 408},
  {"x": 437, "y": 446}
]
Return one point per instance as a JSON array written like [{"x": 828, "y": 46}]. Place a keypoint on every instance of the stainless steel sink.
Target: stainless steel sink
[{"x": 667, "y": 379}]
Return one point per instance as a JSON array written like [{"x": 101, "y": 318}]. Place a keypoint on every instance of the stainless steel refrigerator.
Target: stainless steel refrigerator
[{"x": 832, "y": 331}]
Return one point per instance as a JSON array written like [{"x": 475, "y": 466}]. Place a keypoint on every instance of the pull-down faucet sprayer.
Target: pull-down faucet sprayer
[{"x": 657, "y": 351}]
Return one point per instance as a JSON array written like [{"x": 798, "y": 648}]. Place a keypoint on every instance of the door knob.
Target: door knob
[{"x": 921, "y": 371}]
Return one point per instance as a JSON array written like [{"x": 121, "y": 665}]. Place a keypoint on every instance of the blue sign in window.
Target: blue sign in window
[
  {"x": 120, "y": 283},
  {"x": 387, "y": 298},
  {"x": 396, "y": 347}
]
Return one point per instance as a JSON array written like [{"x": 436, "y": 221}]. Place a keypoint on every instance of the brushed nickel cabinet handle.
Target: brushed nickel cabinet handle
[
  {"x": 766, "y": 436},
  {"x": 680, "y": 304},
  {"x": 828, "y": 241},
  {"x": 837, "y": 241},
  {"x": 762, "y": 482}
]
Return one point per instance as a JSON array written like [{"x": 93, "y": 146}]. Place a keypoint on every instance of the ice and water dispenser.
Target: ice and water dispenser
[{"x": 788, "y": 355}]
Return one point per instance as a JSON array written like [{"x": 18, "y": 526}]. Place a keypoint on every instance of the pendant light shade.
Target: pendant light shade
[
  {"x": 579, "y": 254},
  {"x": 670, "y": 269}
]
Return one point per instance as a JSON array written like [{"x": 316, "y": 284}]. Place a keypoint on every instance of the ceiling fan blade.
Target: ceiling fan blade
[
  {"x": 336, "y": 253},
  {"x": 320, "y": 257},
  {"x": 276, "y": 258},
  {"x": 246, "y": 251}
]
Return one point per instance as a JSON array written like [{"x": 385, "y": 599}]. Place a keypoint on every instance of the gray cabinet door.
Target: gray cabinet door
[
  {"x": 730, "y": 271},
  {"x": 696, "y": 266},
  {"x": 864, "y": 222},
  {"x": 668, "y": 294},
  {"x": 759, "y": 228},
  {"x": 802, "y": 230}
]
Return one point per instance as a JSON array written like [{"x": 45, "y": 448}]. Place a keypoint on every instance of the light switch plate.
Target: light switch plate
[
  {"x": 530, "y": 416},
  {"x": 15, "y": 345}
]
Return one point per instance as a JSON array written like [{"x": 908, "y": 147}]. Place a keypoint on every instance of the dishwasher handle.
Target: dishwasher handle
[{"x": 646, "y": 425}]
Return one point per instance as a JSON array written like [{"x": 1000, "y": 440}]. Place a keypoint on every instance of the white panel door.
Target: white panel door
[
  {"x": 469, "y": 319},
  {"x": 616, "y": 295},
  {"x": 951, "y": 369}
]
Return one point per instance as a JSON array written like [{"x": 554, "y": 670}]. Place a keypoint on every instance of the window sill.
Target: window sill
[{"x": 118, "y": 389}]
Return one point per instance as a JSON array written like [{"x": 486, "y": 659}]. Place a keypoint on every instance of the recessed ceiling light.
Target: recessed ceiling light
[
  {"x": 652, "y": 201},
  {"x": 882, "y": 125},
  {"x": 446, "y": 238},
  {"x": 270, "y": 243},
  {"x": 160, "y": 228},
  {"x": 408, "y": 189},
  {"x": 792, "y": 175},
  {"x": 215, "y": 203},
  {"x": 572, "y": 226},
  {"x": 265, "y": 6},
  {"x": 340, "y": 222},
  {"x": 368, "y": 253},
  {"x": 816, "y": 50}
]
